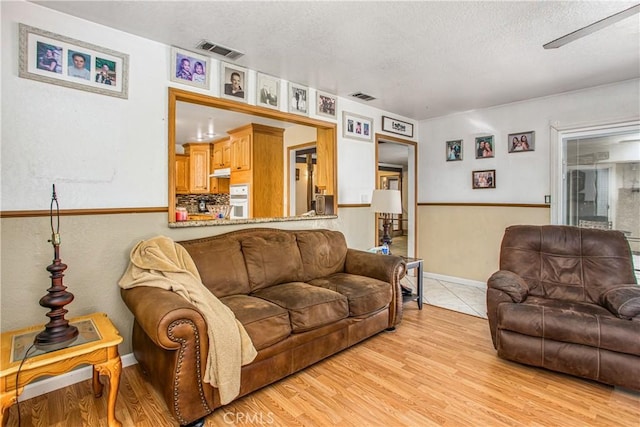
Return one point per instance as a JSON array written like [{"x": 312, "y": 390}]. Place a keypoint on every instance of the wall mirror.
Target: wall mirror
[{"x": 230, "y": 161}]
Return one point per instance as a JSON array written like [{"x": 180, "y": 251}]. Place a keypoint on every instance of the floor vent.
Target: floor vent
[
  {"x": 362, "y": 96},
  {"x": 219, "y": 50}
]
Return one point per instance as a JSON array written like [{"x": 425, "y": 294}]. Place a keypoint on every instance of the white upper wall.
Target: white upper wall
[
  {"x": 107, "y": 152},
  {"x": 521, "y": 177}
]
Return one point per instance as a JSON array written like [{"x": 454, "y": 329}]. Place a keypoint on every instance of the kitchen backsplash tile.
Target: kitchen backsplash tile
[{"x": 190, "y": 201}]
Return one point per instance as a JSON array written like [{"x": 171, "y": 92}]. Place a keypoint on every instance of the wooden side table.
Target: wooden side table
[
  {"x": 96, "y": 344},
  {"x": 417, "y": 264}
]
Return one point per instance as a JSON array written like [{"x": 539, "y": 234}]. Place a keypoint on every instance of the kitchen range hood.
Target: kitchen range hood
[{"x": 221, "y": 173}]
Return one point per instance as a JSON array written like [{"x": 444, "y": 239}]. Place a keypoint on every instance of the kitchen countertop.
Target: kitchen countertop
[{"x": 203, "y": 220}]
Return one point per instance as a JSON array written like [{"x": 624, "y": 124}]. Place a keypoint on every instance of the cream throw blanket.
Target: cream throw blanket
[{"x": 162, "y": 263}]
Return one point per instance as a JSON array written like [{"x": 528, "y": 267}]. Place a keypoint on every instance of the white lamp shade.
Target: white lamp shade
[{"x": 386, "y": 201}]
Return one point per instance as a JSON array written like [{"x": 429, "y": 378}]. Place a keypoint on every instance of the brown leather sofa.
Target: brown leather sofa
[
  {"x": 566, "y": 299},
  {"x": 300, "y": 295}
]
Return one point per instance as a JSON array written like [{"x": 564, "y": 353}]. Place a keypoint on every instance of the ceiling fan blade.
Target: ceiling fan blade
[{"x": 598, "y": 25}]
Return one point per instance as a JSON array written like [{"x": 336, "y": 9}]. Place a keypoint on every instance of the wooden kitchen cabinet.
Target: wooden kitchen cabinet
[
  {"x": 257, "y": 159},
  {"x": 241, "y": 150},
  {"x": 220, "y": 154},
  {"x": 219, "y": 185},
  {"x": 198, "y": 167},
  {"x": 182, "y": 174}
]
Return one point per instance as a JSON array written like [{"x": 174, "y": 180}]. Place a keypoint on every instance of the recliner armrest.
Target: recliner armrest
[
  {"x": 509, "y": 283},
  {"x": 623, "y": 301}
]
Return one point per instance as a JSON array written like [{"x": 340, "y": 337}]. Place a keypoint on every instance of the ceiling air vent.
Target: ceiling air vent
[
  {"x": 362, "y": 96},
  {"x": 219, "y": 50}
]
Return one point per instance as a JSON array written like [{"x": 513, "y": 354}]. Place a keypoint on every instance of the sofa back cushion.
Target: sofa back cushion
[
  {"x": 564, "y": 262},
  {"x": 221, "y": 265},
  {"x": 323, "y": 252},
  {"x": 271, "y": 258}
]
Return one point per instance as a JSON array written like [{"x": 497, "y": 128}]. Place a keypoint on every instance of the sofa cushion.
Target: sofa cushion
[
  {"x": 579, "y": 323},
  {"x": 220, "y": 264},
  {"x": 272, "y": 259},
  {"x": 364, "y": 294},
  {"x": 323, "y": 252},
  {"x": 265, "y": 322},
  {"x": 309, "y": 306}
]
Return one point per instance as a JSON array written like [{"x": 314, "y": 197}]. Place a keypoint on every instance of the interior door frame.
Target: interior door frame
[{"x": 412, "y": 189}]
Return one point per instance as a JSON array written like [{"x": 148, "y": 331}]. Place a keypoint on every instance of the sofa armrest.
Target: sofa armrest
[
  {"x": 158, "y": 310},
  {"x": 509, "y": 283},
  {"x": 623, "y": 301},
  {"x": 174, "y": 351},
  {"x": 387, "y": 268},
  {"x": 382, "y": 267}
]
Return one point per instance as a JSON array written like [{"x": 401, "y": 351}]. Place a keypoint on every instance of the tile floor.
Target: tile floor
[{"x": 453, "y": 296}]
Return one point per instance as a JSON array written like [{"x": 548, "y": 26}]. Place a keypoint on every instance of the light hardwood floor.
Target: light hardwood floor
[{"x": 438, "y": 368}]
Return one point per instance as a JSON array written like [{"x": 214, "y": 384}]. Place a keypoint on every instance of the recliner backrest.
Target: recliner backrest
[{"x": 568, "y": 263}]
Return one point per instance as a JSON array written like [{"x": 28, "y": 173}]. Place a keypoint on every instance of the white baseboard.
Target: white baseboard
[
  {"x": 459, "y": 280},
  {"x": 54, "y": 383}
]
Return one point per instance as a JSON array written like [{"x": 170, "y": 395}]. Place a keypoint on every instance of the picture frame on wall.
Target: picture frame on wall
[
  {"x": 521, "y": 142},
  {"x": 233, "y": 82},
  {"x": 190, "y": 68},
  {"x": 298, "y": 99},
  {"x": 483, "y": 179},
  {"x": 268, "y": 91},
  {"x": 454, "y": 150},
  {"x": 56, "y": 59},
  {"x": 357, "y": 127},
  {"x": 485, "y": 148},
  {"x": 326, "y": 105},
  {"x": 397, "y": 126}
]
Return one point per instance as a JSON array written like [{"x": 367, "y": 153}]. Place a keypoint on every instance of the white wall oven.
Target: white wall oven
[{"x": 239, "y": 200}]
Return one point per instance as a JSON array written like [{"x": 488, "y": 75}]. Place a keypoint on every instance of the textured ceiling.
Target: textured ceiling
[{"x": 419, "y": 59}]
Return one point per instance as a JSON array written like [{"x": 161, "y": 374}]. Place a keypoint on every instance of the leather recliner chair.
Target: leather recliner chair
[{"x": 566, "y": 299}]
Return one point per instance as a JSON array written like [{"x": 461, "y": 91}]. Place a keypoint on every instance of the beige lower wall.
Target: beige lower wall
[
  {"x": 358, "y": 226},
  {"x": 95, "y": 249},
  {"x": 464, "y": 241}
]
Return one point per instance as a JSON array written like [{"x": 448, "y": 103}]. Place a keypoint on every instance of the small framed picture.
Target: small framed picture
[
  {"x": 268, "y": 90},
  {"x": 298, "y": 99},
  {"x": 484, "y": 147},
  {"x": 357, "y": 127},
  {"x": 189, "y": 68},
  {"x": 397, "y": 126},
  {"x": 454, "y": 150},
  {"x": 523, "y": 141},
  {"x": 483, "y": 179},
  {"x": 60, "y": 60},
  {"x": 326, "y": 105},
  {"x": 232, "y": 82}
]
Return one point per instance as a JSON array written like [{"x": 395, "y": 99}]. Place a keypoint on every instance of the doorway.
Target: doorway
[
  {"x": 396, "y": 169},
  {"x": 302, "y": 180}
]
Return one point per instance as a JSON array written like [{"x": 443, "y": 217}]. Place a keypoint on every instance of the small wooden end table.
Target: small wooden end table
[
  {"x": 417, "y": 264},
  {"x": 96, "y": 344}
]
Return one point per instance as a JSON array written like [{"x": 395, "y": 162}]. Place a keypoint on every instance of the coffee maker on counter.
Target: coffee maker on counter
[{"x": 202, "y": 205}]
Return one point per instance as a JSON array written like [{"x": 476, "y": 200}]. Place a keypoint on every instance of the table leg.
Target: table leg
[
  {"x": 97, "y": 385},
  {"x": 420, "y": 285},
  {"x": 111, "y": 368}
]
